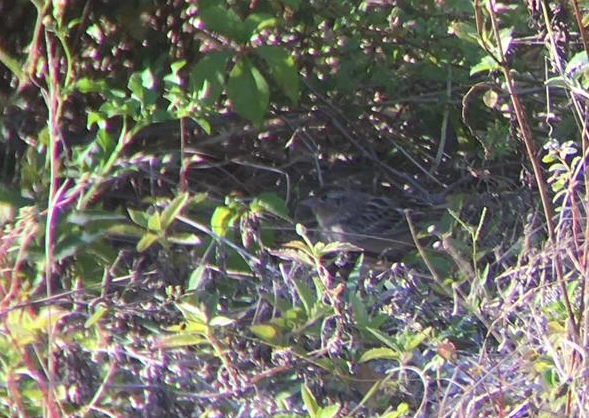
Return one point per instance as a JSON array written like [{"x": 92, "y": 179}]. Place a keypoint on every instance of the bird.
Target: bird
[{"x": 375, "y": 224}]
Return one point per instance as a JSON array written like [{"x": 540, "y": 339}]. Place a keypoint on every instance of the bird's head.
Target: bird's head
[{"x": 332, "y": 205}]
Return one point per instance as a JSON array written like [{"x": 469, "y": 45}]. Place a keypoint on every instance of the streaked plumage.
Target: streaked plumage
[{"x": 375, "y": 224}]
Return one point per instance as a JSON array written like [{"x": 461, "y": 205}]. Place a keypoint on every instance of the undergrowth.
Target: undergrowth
[{"x": 153, "y": 256}]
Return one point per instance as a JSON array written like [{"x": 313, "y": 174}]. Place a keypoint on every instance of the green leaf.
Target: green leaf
[
  {"x": 491, "y": 98},
  {"x": 129, "y": 108},
  {"x": 204, "y": 124},
  {"x": 487, "y": 63},
  {"x": 221, "y": 321},
  {"x": 309, "y": 401},
  {"x": 173, "y": 209},
  {"x": 193, "y": 312},
  {"x": 297, "y": 245},
  {"x": 98, "y": 314},
  {"x": 256, "y": 22},
  {"x": 329, "y": 411},
  {"x": 224, "y": 21},
  {"x": 93, "y": 118},
  {"x": 184, "y": 339},
  {"x": 558, "y": 167},
  {"x": 207, "y": 79},
  {"x": 576, "y": 64},
  {"x": 220, "y": 220},
  {"x": 379, "y": 354},
  {"x": 306, "y": 296},
  {"x": 415, "y": 339},
  {"x": 139, "y": 217},
  {"x": 338, "y": 247},
  {"x": 146, "y": 241},
  {"x": 466, "y": 32},
  {"x": 557, "y": 82},
  {"x": 273, "y": 204},
  {"x": 197, "y": 327},
  {"x": 266, "y": 332},
  {"x": 360, "y": 312},
  {"x": 126, "y": 230},
  {"x": 135, "y": 86},
  {"x": 87, "y": 85},
  {"x": 402, "y": 409},
  {"x": 294, "y": 255},
  {"x": 105, "y": 142},
  {"x": 248, "y": 91},
  {"x": 506, "y": 37},
  {"x": 142, "y": 86},
  {"x": 177, "y": 66},
  {"x": 197, "y": 277},
  {"x": 185, "y": 238},
  {"x": 387, "y": 340},
  {"x": 154, "y": 223},
  {"x": 147, "y": 79},
  {"x": 283, "y": 70}
]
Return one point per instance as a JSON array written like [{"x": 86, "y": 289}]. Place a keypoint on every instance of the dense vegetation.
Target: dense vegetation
[{"x": 153, "y": 256}]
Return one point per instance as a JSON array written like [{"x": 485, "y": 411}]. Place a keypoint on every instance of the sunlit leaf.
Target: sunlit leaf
[
  {"x": 381, "y": 353},
  {"x": 265, "y": 331},
  {"x": 248, "y": 91},
  {"x": 185, "y": 238},
  {"x": 154, "y": 222},
  {"x": 414, "y": 340},
  {"x": 197, "y": 277},
  {"x": 146, "y": 241},
  {"x": 487, "y": 63},
  {"x": 402, "y": 409},
  {"x": 506, "y": 37},
  {"x": 125, "y": 230},
  {"x": 173, "y": 209},
  {"x": 490, "y": 98},
  {"x": 147, "y": 79},
  {"x": 466, "y": 32},
  {"x": 185, "y": 339},
  {"x": 220, "y": 220},
  {"x": 221, "y": 321},
  {"x": 273, "y": 204},
  {"x": 100, "y": 311},
  {"x": 309, "y": 401},
  {"x": 139, "y": 217},
  {"x": 294, "y": 255},
  {"x": 329, "y": 411},
  {"x": 87, "y": 85},
  {"x": 197, "y": 327},
  {"x": 207, "y": 79},
  {"x": 193, "y": 313},
  {"x": 337, "y": 247}
]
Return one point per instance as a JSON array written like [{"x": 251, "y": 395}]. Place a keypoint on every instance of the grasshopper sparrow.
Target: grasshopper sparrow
[{"x": 375, "y": 224}]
